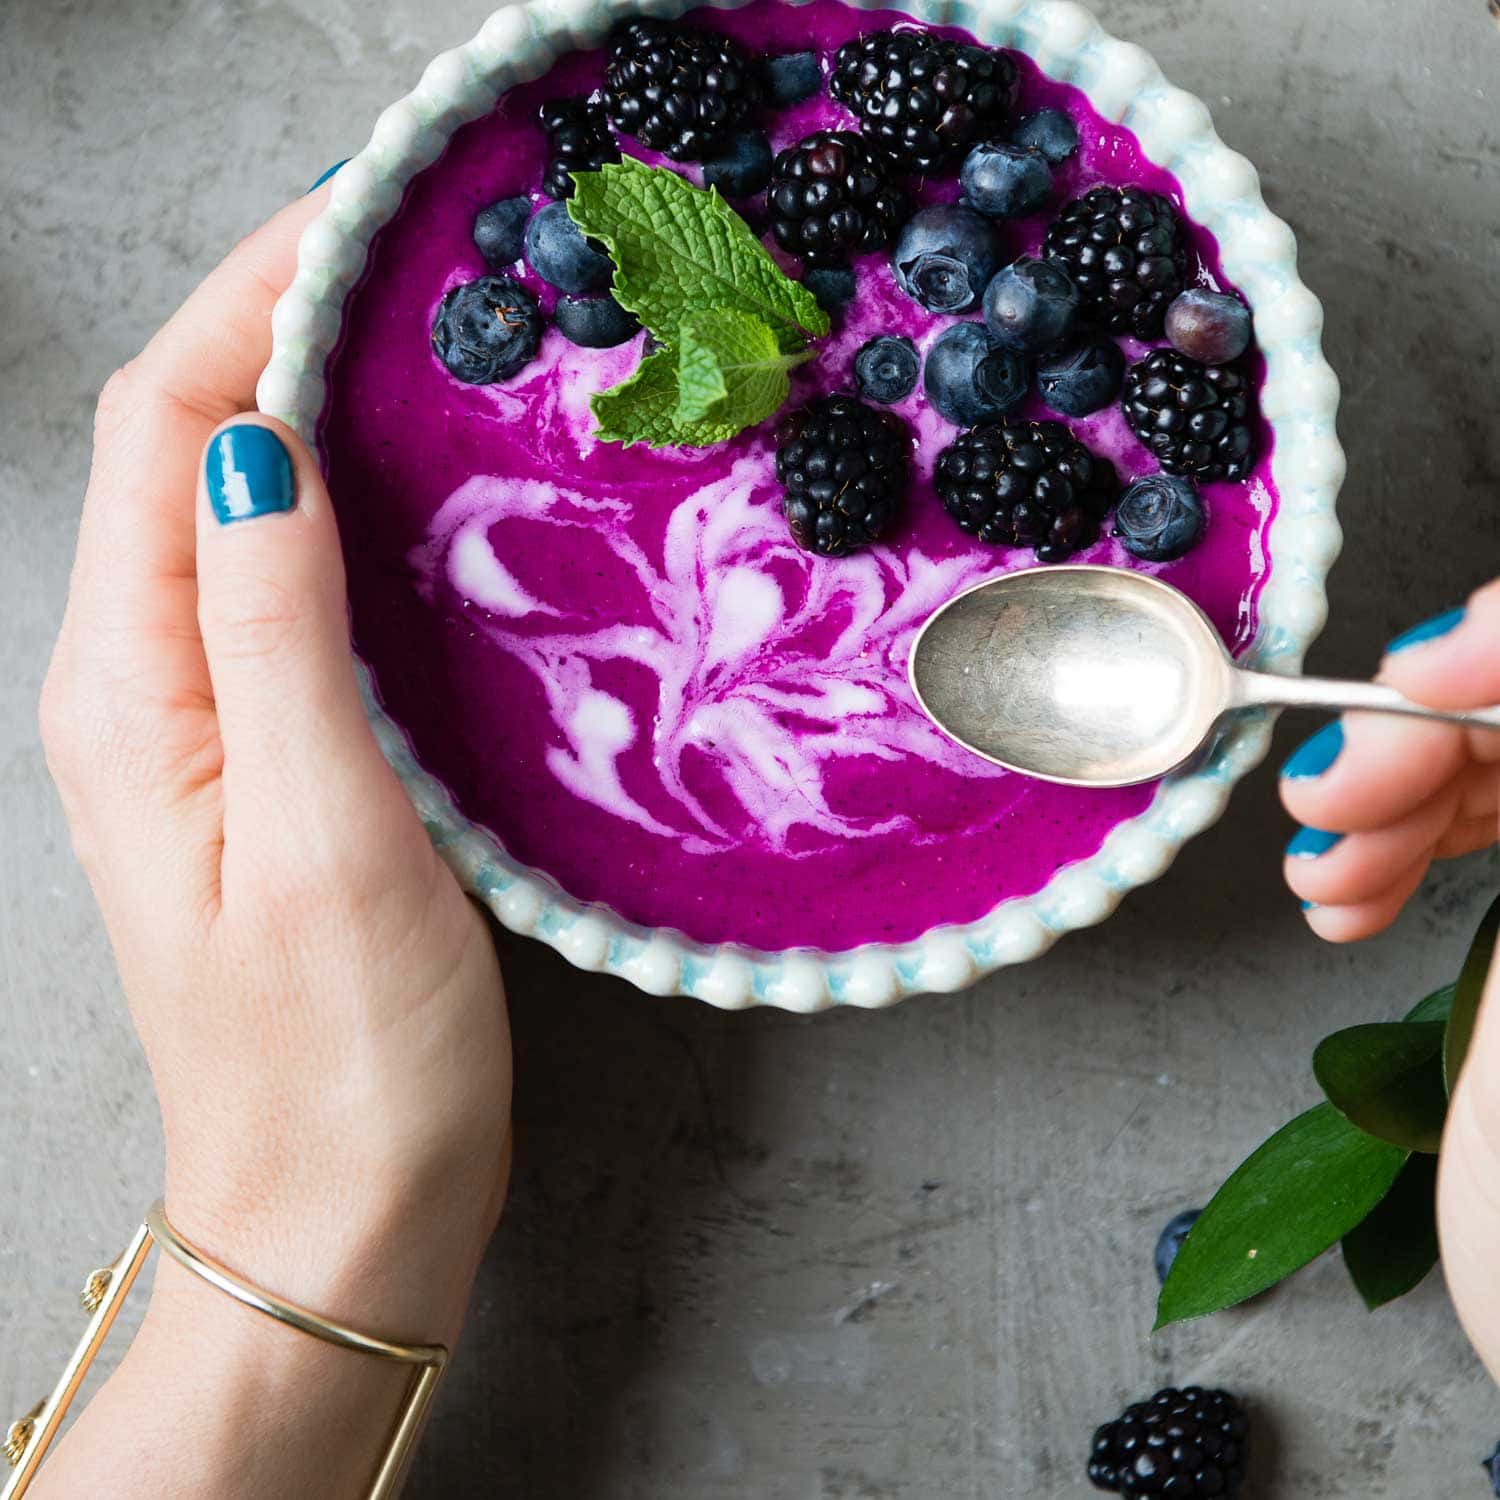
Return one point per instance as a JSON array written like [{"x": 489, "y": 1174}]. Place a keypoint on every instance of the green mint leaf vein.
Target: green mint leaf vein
[
  {"x": 643, "y": 409},
  {"x": 678, "y": 250},
  {"x": 730, "y": 368}
]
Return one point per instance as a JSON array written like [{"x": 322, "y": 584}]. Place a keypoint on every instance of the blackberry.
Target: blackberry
[
  {"x": 578, "y": 140},
  {"x": 1026, "y": 484},
  {"x": 1185, "y": 1444},
  {"x": 923, "y": 100},
  {"x": 844, "y": 466},
  {"x": 684, "y": 93},
  {"x": 829, "y": 199},
  {"x": 1193, "y": 417},
  {"x": 1123, "y": 248}
]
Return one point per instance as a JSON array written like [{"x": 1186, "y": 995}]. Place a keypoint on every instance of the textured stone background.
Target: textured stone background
[{"x": 860, "y": 1257}]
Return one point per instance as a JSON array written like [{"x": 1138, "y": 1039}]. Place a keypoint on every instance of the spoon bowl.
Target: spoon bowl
[{"x": 1101, "y": 677}]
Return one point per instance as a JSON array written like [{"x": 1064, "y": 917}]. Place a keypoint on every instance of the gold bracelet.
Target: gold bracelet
[{"x": 103, "y": 1295}]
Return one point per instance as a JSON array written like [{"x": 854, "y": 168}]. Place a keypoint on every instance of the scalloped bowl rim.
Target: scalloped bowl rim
[{"x": 1300, "y": 400}]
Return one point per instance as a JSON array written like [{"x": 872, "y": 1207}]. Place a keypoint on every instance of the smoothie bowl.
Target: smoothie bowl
[{"x": 647, "y": 683}]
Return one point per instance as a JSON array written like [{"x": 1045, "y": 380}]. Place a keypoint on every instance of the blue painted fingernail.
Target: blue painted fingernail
[
  {"x": 1314, "y": 756},
  {"x": 329, "y": 173},
  {"x": 248, "y": 473},
  {"x": 1428, "y": 630},
  {"x": 1309, "y": 843},
  {"x": 1309, "y": 906}
]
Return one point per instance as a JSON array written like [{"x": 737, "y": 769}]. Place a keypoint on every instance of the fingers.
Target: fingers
[
  {"x": 1362, "y": 919},
  {"x": 301, "y": 767},
  {"x": 1457, "y": 663}
]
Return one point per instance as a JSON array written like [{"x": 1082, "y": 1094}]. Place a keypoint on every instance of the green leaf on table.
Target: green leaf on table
[
  {"x": 680, "y": 249},
  {"x": 1438, "y": 1006},
  {"x": 1293, "y": 1198},
  {"x": 1468, "y": 993},
  {"x": 1387, "y": 1079},
  {"x": 730, "y": 369},
  {"x": 643, "y": 409},
  {"x": 1390, "y": 1252}
]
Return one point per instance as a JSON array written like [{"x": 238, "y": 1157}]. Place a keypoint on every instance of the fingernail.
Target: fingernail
[
  {"x": 1314, "y": 756},
  {"x": 1428, "y": 630},
  {"x": 248, "y": 473},
  {"x": 329, "y": 173},
  {"x": 1309, "y": 906},
  {"x": 1309, "y": 843}
]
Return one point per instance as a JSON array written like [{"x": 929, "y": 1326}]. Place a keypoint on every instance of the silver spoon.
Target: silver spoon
[{"x": 1102, "y": 677}]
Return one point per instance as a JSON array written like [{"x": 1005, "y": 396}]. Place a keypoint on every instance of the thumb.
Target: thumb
[{"x": 299, "y": 754}]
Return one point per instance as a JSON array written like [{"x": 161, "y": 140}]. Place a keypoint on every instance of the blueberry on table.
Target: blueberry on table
[
  {"x": 500, "y": 231},
  {"x": 1159, "y": 518},
  {"x": 1050, "y": 131},
  {"x": 970, "y": 377},
  {"x": 561, "y": 256},
  {"x": 1031, "y": 305},
  {"x": 487, "y": 330},
  {"x": 1005, "y": 181},
  {"x": 594, "y": 322},
  {"x": 945, "y": 256},
  {"x": 1176, "y": 1231},
  {"x": 793, "y": 77},
  {"x": 743, "y": 168},
  {"x": 833, "y": 286},
  {"x": 1211, "y": 327},
  {"x": 1081, "y": 378},
  {"x": 885, "y": 369}
]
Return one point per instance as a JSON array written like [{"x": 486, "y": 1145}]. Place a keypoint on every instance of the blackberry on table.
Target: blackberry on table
[
  {"x": 1026, "y": 484},
  {"x": 1185, "y": 1444},
  {"x": 1193, "y": 417},
  {"x": 844, "y": 466},
  {"x": 1123, "y": 248},
  {"x": 923, "y": 100},
  {"x": 680, "y": 92},
  {"x": 829, "y": 198},
  {"x": 578, "y": 140}
]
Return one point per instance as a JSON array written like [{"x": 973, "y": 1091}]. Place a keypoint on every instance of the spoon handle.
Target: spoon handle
[{"x": 1256, "y": 689}]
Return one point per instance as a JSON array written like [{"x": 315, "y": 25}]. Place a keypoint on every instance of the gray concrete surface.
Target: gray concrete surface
[{"x": 860, "y": 1257}]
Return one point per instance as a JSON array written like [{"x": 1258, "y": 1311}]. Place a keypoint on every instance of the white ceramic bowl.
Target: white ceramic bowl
[{"x": 1300, "y": 398}]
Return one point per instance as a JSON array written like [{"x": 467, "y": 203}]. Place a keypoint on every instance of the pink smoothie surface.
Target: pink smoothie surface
[{"x": 619, "y": 662}]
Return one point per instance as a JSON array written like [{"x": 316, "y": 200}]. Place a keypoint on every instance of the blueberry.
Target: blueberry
[
  {"x": 1031, "y": 305},
  {"x": 833, "y": 286},
  {"x": 1171, "y": 1241},
  {"x": 1159, "y": 517},
  {"x": 793, "y": 78},
  {"x": 743, "y": 168},
  {"x": 1050, "y": 131},
  {"x": 1081, "y": 378},
  {"x": 486, "y": 330},
  {"x": 945, "y": 256},
  {"x": 971, "y": 377},
  {"x": 1005, "y": 181},
  {"x": 594, "y": 322},
  {"x": 500, "y": 231},
  {"x": 1491, "y": 1466},
  {"x": 561, "y": 256},
  {"x": 885, "y": 370},
  {"x": 1211, "y": 327}
]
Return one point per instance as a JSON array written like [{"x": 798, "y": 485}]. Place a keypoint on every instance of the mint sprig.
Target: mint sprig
[
  {"x": 731, "y": 321},
  {"x": 1359, "y": 1168}
]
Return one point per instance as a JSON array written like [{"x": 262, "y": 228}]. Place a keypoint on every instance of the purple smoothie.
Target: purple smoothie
[{"x": 620, "y": 663}]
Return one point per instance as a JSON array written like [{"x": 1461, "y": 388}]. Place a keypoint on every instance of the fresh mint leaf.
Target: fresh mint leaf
[
  {"x": 643, "y": 409},
  {"x": 1467, "y": 995},
  {"x": 1387, "y": 1079},
  {"x": 730, "y": 369},
  {"x": 1391, "y": 1250},
  {"x": 679, "y": 250},
  {"x": 1438, "y": 1006},
  {"x": 1292, "y": 1199}
]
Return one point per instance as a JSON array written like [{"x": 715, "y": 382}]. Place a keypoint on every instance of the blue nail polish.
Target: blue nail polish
[
  {"x": 249, "y": 473},
  {"x": 1309, "y": 843},
  {"x": 1428, "y": 630},
  {"x": 1309, "y": 906},
  {"x": 329, "y": 173},
  {"x": 1314, "y": 756}
]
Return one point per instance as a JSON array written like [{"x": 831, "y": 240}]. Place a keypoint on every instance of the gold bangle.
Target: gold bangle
[{"x": 104, "y": 1293}]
